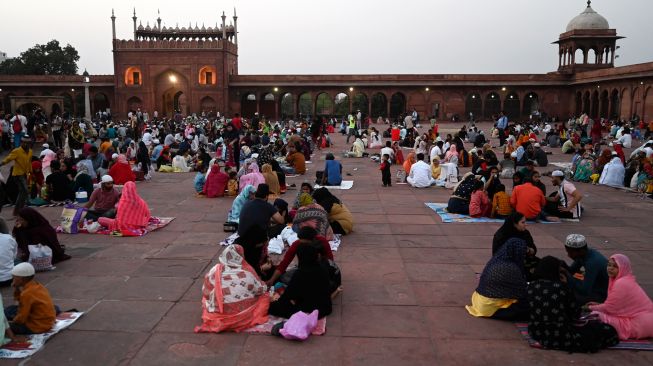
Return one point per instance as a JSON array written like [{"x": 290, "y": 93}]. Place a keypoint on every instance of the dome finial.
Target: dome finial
[{"x": 589, "y": 3}]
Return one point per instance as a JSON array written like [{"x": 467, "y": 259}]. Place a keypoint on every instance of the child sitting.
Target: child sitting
[
  {"x": 501, "y": 207},
  {"x": 232, "y": 184},
  {"x": 35, "y": 312},
  {"x": 386, "y": 176},
  {"x": 479, "y": 203},
  {"x": 200, "y": 179}
]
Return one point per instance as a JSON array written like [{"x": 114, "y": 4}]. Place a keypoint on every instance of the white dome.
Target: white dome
[{"x": 589, "y": 19}]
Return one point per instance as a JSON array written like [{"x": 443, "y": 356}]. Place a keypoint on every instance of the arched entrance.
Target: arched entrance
[
  {"x": 614, "y": 104},
  {"x": 397, "y": 105},
  {"x": 511, "y": 106},
  {"x": 579, "y": 103},
  {"x": 56, "y": 109},
  {"x": 171, "y": 92},
  {"x": 473, "y": 106},
  {"x": 287, "y": 106},
  {"x": 531, "y": 104},
  {"x": 100, "y": 103},
  {"x": 248, "y": 105},
  {"x": 586, "y": 103},
  {"x": 379, "y": 105},
  {"x": 492, "y": 105},
  {"x": 341, "y": 105},
  {"x": 267, "y": 106},
  {"x": 594, "y": 110},
  {"x": 305, "y": 105},
  {"x": 323, "y": 105},
  {"x": 359, "y": 103},
  {"x": 605, "y": 104},
  {"x": 134, "y": 103},
  {"x": 207, "y": 105}
]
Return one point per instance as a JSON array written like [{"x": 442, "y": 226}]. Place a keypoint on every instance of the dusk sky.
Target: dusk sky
[{"x": 343, "y": 36}]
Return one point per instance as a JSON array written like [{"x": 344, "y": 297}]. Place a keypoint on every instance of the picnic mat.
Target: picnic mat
[
  {"x": 36, "y": 341},
  {"x": 561, "y": 165},
  {"x": 334, "y": 244},
  {"x": 441, "y": 209},
  {"x": 155, "y": 223},
  {"x": 346, "y": 184},
  {"x": 266, "y": 328},
  {"x": 631, "y": 344}
]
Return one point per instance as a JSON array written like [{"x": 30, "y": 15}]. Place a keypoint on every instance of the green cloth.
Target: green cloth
[{"x": 4, "y": 325}]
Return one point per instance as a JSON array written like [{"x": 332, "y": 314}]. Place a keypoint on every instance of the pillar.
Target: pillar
[
  {"x": 113, "y": 24},
  {"x": 224, "y": 26},
  {"x": 87, "y": 103},
  {"x": 134, "y": 19},
  {"x": 235, "y": 27}
]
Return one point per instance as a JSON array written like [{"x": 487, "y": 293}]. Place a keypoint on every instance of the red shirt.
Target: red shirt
[
  {"x": 527, "y": 200},
  {"x": 290, "y": 254},
  {"x": 237, "y": 122}
]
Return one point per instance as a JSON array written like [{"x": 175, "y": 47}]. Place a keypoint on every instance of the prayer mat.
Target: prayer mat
[
  {"x": 155, "y": 223},
  {"x": 266, "y": 328},
  {"x": 441, "y": 209},
  {"x": 345, "y": 184},
  {"x": 631, "y": 344},
  {"x": 36, "y": 341}
]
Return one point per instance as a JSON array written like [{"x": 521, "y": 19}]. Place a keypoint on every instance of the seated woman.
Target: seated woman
[
  {"x": 304, "y": 188},
  {"x": 312, "y": 215},
  {"x": 628, "y": 309},
  {"x": 462, "y": 193},
  {"x": 479, "y": 203},
  {"x": 452, "y": 155},
  {"x": 613, "y": 172},
  {"x": 375, "y": 140},
  {"x": 308, "y": 289},
  {"x": 340, "y": 218},
  {"x": 180, "y": 163},
  {"x": 32, "y": 228},
  {"x": 332, "y": 174},
  {"x": 215, "y": 183},
  {"x": 83, "y": 180},
  {"x": 513, "y": 227},
  {"x": 501, "y": 292},
  {"x": 132, "y": 212},
  {"x": 233, "y": 297},
  {"x": 357, "y": 149},
  {"x": 255, "y": 245},
  {"x": 121, "y": 171},
  {"x": 584, "y": 168},
  {"x": 271, "y": 179},
  {"x": 408, "y": 163},
  {"x": 553, "y": 314},
  {"x": 252, "y": 176},
  {"x": 247, "y": 194}
]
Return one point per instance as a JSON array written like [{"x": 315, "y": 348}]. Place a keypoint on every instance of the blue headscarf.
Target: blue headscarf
[
  {"x": 504, "y": 276},
  {"x": 239, "y": 202}
]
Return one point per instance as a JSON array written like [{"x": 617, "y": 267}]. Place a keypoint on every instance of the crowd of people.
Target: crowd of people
[{"x": 251, "y": 160}]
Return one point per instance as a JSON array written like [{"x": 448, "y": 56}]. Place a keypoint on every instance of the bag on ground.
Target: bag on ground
[
  {"x": 299, "y": 326},
  {"x": 40, "y": 257},
  {"x": 71, "y": 218}
]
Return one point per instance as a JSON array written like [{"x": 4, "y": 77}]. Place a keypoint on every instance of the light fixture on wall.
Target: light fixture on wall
[
  {"x": 276, "y": 89},
  {"x": 427, "y": 89},
  {"x": 503, "y": 89},
  {"x": 172, "y": 78},
  {"x": 351, "y": 88}
]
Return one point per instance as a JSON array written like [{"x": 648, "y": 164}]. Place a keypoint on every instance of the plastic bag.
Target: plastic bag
[
  {"x": 299, "y": 326},
  {"x": 40, "y": 257},
  {"x": 71, "y": 218},
  {"x": 81, "y": 196}
]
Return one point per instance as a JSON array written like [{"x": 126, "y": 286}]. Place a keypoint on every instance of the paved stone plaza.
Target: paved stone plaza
[{"x": 406, "y": 278}]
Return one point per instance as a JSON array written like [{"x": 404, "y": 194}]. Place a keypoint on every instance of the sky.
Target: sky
[{"x": 342, "y": 36}]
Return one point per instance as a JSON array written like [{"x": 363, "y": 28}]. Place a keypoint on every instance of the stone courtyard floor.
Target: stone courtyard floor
[{"x": 406, "y": 278}]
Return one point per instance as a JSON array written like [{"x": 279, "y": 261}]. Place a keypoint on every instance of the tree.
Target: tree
[{"x": 48, "y": 59}]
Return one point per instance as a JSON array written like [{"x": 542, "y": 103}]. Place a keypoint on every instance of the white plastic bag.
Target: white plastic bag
[{"x": 40, "y": 256}]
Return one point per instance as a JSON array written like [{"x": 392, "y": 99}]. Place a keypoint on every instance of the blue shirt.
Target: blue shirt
[
  {"x": 332, "y": 170},
  {"x": 156, "y": 152},
  {"x": 502, "y": 123},
  {"x": 199, "y": 182}
]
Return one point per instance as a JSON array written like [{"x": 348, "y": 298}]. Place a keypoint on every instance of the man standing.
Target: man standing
[
  {"x": 352, "y": 127},
  {"x": 566, "y": 202},
  {"x": 502, "y": 124},
  {"x": 22, "y": 158},
  {"x": 19, "y": 125}
]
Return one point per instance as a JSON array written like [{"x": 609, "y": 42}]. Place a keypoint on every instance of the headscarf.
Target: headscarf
[
  {"x": 519, "y": 153},
  {"x": 451, "y": 153},
  {"x": 325, "y": 198},
  {"x": 504, "y": 275},
  {"x": 508, "y": 231},
  {"x": 82, "y": 169},
  {"x": 436, "y": 170},
  {"x": 216, "y": 182},
  {"x": 604, "y": 158},
  {"x": 626, "y": 299},
  {"x": 312, "y": 215},
  {"x": 613, "y": 173},
  {"x": 239, "y": 202},
  {"x": 305, "y": 199},
  {"x": 408, "y": 163},
  {"x": 233, "y": 296},
  {"x": 271, "y": 179},
  {"x": 122, "y": 159},
  {"x": 132, "y": 210},
  {"x": 38, "y": 231},
  {"x": 253, "y": 176}
]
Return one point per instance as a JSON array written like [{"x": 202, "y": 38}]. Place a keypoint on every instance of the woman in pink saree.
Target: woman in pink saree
[
  {"x": 627, "y": 308},
  {"x": 233, "y": 297},
  {"x": 253, "y": 176}
]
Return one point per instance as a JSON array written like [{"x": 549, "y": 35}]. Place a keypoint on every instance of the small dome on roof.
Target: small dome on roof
[{"x": 589, "y": 19}]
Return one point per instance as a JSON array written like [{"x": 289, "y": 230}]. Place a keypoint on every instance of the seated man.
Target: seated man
[
  {"x": 420, "y": 174},
  {"x": 565, "y": 203},
  {"x": 60, "y": 187},
  {"x": 388, "y": 150},
  {"x": 103, "y": 200},
  {"x": 35, "y": 312},
  {"x": 587, "y": 275},
  {"x": 258, "y": 212},
  {"x": 528, "y": 200}
]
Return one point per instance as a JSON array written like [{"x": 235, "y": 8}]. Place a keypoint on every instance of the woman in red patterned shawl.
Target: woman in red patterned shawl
[
  {"x": 233, "y": 297},
  {"x": 132, "y": 212}
]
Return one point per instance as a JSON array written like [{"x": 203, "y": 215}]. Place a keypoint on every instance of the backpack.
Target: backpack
[{"x": 17, "y": 126}]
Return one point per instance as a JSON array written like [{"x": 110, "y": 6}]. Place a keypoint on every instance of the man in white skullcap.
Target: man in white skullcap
[{"x": 587, "y": 276}]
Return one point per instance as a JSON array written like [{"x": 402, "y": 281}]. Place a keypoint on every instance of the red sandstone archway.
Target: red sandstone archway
[
  {"x": 100, "y": 102},
  {"x": 207, "y": 105},
  {"x": 248, "y": 105},
  {"x": 341, "y": 105},
  {"x": 379, "y": 105},
  {"x": 287, "y": 106},
  {"x": 492, "y": 105},
  {"x": 323, "y": 105},
  {"x": 397, "y": 105},
  {"x": 512, "y": 106},
  {"x": 360, "y": 103},
  {"x": 134, "y": 103},
  {"x": 473, "y": 106},
  {"x": 305, "y": 105},
  {"x": 615, "y": 106},
  {"x": 531, "y": 103},
  {"x": 170, "y": 86},
  {"x": 267, "y": 108},
  {"x": 605, "y": 104},
  {"x": 579, "y": 103}
]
